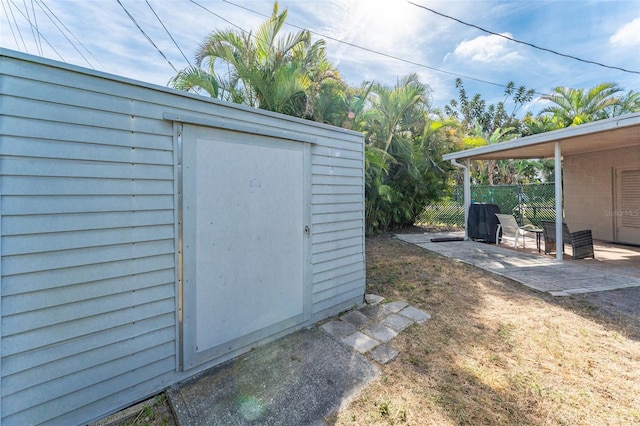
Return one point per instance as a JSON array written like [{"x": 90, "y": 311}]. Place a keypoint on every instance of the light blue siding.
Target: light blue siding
[{"x": 88, "y": 207}]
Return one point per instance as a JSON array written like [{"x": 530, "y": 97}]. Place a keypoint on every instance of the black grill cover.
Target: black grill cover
[{"x": 483, "y": 222}]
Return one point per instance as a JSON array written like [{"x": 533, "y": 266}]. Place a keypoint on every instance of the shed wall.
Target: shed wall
[
  {"x": 89, "y": 290},
  {"x": 589, "y": 189}
]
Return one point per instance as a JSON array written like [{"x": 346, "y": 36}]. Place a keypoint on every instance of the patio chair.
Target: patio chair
[
  {"x": 511, "y": 229},
  {"x": 581, "y": 241}
]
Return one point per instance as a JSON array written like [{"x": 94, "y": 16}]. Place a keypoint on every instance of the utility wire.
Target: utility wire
[
  {"x": 366, "y": 49},
  {"x": 146, "y": 36},
  {"x": 33, "y": 27},
  {"x": 35, "y": 19},
  {"x": 226, "y": 20},
  {"x": 4, "y": 7},
  {"x": 65, "y": 36},
  {"x": 15, "y": 21},
  {"x": 523, "y": 42},
  {"x": 170, "y": 36},
  {"x": 41, "y": 35},
  {"x": 50, "y": 13}
]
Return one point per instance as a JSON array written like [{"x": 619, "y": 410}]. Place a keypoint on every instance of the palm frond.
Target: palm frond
[{"x": 194, "y": 79}]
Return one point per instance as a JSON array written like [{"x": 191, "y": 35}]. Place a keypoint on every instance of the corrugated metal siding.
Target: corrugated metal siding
[
  {"x": 88, "y": 273},
  {"x": 337, "y": 221},
  {"x": 88, "y": 242}
]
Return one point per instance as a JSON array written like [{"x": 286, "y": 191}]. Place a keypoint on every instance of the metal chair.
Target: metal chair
[
  {"x": 581, "y": 241},
  {"x": 511, "y": 229}
]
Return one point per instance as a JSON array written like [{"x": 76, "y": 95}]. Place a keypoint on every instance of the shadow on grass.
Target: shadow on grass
[
  {"x": 617, "y": 310},
  {"x": 453, "y": 294},
  {"x": 494, "y": 351}
]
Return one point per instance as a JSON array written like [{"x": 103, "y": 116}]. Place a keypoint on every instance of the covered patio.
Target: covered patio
[
  {"x": 597, "y": 173},
  {"x": 615, "y": 266}
]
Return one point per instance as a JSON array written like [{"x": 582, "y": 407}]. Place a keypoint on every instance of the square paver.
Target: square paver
[
  {"x": 356, "y": 318},
  {"x": 415, "y": 314},
  {"x": 374, "y": 312},
  {"x": 373, "y": 299},
  {"x": 360, "y": 342},
  {"x": 380, "y": 332},
  {"x": 394, "y": 307},
  {"x": 397, "y": 322},
  {"x": 339, "y": 328},
  {"x": 383, "y": 354}
]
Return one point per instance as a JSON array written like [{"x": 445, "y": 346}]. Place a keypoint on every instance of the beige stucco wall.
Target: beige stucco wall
[{"x": 589, "y": 189}]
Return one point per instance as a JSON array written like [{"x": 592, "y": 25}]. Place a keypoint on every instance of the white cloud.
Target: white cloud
[
  {"x": 628, "y": 35},
  {"x": 487, "y": 49},
  {"x": 392, "y": 28}
]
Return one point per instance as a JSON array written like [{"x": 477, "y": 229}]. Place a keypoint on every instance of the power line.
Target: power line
[
  {"x": 35, "y": 19},
  {"x": 10, "y": 24},
  {"x": 225, "y": 20},
  {"x": 145, "y": 34},
  {"x": 170, "y": 36},
  {"x": 32, "y": 26},
  {"x": 15, "y": 21},
  {"x": 50, "y": 13},
  {"x": 366, "y": 49},
  {"x": 523, "y": 42},
  {"x": 65, "y": 36}
]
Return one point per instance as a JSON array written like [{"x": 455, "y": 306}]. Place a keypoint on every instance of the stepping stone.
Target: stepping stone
[
  {"x": 415, "y": 314},
  {"x": 356, "y": 318},
  {"x": 380, "y": 332},
  {"x": 373, "y": 299},
  {"x": 397, "y": 322},
  {"x": 338, "y": 328},
  {"x": 360, "y": 342},
  {"x": 394, "y": 307},
  {"x": 383, "y": 354},
  {"x": 376, "y": 312}
]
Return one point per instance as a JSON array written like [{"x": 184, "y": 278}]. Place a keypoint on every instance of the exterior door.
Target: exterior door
[
  {"x": 627, "y": 213},
  {"x": 246, "y": 240}
]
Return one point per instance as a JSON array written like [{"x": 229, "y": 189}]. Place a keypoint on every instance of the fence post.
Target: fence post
[{"x": 519, "y": 192}]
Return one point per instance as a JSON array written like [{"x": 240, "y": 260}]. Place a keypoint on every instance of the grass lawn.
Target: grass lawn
[{"x": 494, "y": 352}]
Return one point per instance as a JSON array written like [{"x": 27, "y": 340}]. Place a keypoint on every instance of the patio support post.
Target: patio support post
[
  {"x": 467, "y": 193},
  {"x": 467, "y": 197},
  {"x": 558, "y": 187}
]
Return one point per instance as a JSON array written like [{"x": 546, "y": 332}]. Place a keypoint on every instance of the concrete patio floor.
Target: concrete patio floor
[{"x": 615, "y": 266}]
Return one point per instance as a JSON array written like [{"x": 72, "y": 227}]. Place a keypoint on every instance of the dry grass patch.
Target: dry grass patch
[{"x": 494, "y": 352}]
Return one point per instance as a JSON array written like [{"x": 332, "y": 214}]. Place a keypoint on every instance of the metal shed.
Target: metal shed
[{"x": 148, "y": 234}]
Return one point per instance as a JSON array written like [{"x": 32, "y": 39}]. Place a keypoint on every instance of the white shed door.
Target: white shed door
[
  {"x": 627, "y": 213},
  {"x": 245, "y": 245}
]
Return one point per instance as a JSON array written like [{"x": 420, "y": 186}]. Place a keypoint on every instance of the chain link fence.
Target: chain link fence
[{"x": 527, "y": 203}]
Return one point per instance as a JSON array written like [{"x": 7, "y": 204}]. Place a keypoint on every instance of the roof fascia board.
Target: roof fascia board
[{"x": 553, "y": 136}]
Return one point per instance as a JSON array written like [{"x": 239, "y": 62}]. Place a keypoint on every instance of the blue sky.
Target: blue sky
[{"x": 98, "y": 34}]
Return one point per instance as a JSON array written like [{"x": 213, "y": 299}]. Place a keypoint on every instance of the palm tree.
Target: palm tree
[
  {"x": 395, "y": 112},
  {"x": 629, "y": 103},
  {"x": 541, "y": 124},
  {"x": 195, "y": 79},
  {"x": 403, "y": 167},
  {"x": 436, "y": 138},
  {"x": 577, "y": 106},
  {"x": 284, "y": 74}
]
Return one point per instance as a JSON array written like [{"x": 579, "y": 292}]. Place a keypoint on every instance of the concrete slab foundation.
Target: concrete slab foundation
[{"x": 538, "y": 271}]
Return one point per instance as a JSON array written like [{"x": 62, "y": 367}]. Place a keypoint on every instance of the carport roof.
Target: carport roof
[{"x": 612, "y": 133}]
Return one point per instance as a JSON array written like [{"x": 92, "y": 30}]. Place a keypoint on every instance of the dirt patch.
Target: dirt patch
[
  {"x": 618, "y": 309},
  {"x": 155, "y": 411},
  {"x": 495, "y": 352}
]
